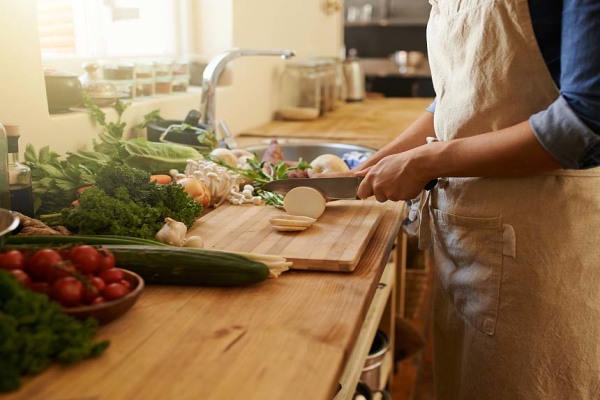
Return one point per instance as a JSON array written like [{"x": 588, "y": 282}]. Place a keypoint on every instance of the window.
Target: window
[{"x": 76, "y": 29}]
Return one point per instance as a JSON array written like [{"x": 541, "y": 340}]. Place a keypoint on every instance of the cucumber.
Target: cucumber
[
  {"x": 158, "y": 263},
  {"x": 183, "y": 266}
]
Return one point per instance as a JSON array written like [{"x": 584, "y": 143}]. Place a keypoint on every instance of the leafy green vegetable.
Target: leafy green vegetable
[
  {"x": 264, "y": 172},
  {"x": 152, "y": 116},
  {"x": 34, "y": 332},
  {"x": 126, "y": 203},
  {"x": 55, "y": 182},
  {"x": 158, "y": 157}
]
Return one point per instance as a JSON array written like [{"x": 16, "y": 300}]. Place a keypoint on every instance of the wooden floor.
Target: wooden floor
[{"x": 413, "y": 379}]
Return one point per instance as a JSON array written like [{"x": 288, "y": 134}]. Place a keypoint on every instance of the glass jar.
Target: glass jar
[
  {"x": 327, "y": 77},
  {"x": 101, "y": 91},
  {"x": 144, "y": 79},
  {"x": 121, "y": 75},
  {"x": 4, "y": 181},
  {"x": 181, "y": 76},
  {"x": 163, "y": 77},
  {"x": 300, "y": 91}
]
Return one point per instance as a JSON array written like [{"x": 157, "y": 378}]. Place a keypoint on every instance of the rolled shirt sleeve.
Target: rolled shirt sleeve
[
  {"x": 566, "y": 137},
  {"x": 431, "y": 107},
  {"x": 570, "y": 128}
]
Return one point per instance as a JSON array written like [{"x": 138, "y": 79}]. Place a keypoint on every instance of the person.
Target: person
[{"x": 514, "y": 217}]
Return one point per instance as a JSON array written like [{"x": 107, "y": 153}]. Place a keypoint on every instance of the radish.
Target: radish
[{"x": 304, "y": 201}]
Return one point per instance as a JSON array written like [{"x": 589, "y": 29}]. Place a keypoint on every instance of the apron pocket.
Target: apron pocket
[{"x": 468, "y": 253}]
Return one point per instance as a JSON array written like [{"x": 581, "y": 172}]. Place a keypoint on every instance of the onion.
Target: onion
[
  {"x": 225, "y": 155},
  {"x": 327, "y": 163},
  {"x": 197, "y": 190}
]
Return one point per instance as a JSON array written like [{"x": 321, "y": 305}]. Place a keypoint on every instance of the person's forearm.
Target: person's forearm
[
  {"x": 510, "y": 152},
  {"x": 412, "y": 137}
]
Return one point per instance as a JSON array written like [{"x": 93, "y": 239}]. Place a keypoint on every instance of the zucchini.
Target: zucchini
[{"x": 183, "y": 266}]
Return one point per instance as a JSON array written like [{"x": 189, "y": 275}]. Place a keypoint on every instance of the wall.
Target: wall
[{"x": 249, "y": 99}]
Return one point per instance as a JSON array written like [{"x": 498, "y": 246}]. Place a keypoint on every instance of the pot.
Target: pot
[
  {"x": 372, "y": 368},
  {"x": 159, "y": 131},
  {"x": 63, "y": 91}
]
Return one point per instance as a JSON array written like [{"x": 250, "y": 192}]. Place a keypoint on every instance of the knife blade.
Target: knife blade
[{"x": 341, "y": 188}]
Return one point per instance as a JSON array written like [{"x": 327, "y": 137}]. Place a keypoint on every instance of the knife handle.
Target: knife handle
[{"x": 431, "y": 184}]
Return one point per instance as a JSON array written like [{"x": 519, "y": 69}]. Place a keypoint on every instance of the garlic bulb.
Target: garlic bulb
[
  {"x": 194, "y": 241},
  {"x": 172, "y": 232}
]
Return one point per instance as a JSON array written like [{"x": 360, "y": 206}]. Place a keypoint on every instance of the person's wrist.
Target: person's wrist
[{"x": 431, "y": 160}]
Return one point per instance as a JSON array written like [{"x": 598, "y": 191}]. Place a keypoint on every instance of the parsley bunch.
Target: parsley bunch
[
  {"x": 34, "y": 332},
  {"x": 125, "y": 203}
]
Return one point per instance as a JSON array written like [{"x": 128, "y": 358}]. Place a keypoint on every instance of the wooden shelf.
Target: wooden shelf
[{"x": 356, "y": 361}]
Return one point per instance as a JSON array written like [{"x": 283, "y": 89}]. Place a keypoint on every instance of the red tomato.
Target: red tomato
[
  {"x": 92, "y": 293},
  {"x": 86, "y": 258},
  {"x": 98, "y": 300},
  {"x": 113, "y": 275},
  {"x": 22, "y": 277},
  {"x": 41, "y": 287},
  {"x": 125, "y": 283},
  {"x": 12, "y": 259},
  {"x": 39, "y": 265},
  {"x": 114, "y": 291},
  {"x": 68, "y": 291},
  {"x": 61, "y": 271},
  {"x": 107, "y": 260}
]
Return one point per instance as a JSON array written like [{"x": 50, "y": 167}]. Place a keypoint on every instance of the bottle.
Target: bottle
[
  {"x": 19, "y": 176},
  {"x": 4, "y": 186}
]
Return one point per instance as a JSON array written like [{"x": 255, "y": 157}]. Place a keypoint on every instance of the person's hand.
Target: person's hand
[{"x": 395, "y": 177}]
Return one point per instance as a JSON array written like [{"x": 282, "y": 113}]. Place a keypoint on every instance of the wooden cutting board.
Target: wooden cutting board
[{"x": 334, "y": 243}]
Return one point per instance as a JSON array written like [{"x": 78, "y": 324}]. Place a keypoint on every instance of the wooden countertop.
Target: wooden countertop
[
  {"x": 286, "y": 338},
  {"x": 373, "y": 122}
]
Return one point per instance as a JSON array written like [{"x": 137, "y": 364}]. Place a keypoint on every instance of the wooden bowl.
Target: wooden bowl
[{"x": 111, "y": 310}]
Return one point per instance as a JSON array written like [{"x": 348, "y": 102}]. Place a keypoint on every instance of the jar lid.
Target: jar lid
[{"x": 12, "y": 136}]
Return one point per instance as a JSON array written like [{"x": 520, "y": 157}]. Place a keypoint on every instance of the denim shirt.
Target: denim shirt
[{"x": 568, "y": 35}]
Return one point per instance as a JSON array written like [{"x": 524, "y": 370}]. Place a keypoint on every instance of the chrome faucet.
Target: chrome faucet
[{"x": 212, "y": 72}]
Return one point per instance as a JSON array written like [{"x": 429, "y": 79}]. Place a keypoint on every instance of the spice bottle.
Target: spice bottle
[
  {"x": 4, "y": 189},
  {"x": 19, "y": 175}
]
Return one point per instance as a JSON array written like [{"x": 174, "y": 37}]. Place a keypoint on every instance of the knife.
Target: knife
[{"x": 341, "y": 188}]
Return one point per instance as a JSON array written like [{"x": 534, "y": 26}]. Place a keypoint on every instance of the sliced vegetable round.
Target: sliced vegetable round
[{"x": 304, "y": 201}]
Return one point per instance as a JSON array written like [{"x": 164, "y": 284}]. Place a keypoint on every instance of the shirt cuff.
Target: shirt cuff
[
  {"x": 566, "y": 137},
  {"x": 431, "y": 107}
]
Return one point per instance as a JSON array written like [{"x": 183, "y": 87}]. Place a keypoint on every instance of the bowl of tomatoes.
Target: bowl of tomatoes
[{"x": 83, "y": 279}]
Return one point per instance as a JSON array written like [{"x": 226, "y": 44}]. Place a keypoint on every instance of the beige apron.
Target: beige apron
[{"x": 517, "y": 299}]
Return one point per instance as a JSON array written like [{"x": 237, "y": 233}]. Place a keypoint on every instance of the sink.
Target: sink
[{"x": 310, "y": 151}]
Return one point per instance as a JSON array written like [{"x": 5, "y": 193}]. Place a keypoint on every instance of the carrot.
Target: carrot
[
  {"x": 161, "y": 179},
  {"x": 83, "y": 189}
]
